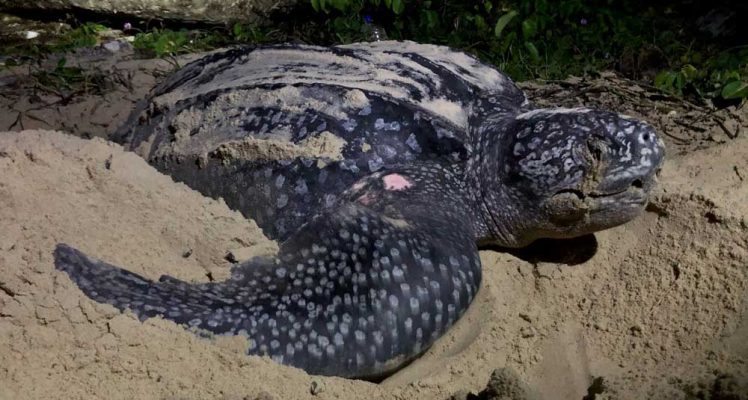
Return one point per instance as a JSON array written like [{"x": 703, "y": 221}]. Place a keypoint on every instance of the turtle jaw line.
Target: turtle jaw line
[
  {"x": 635, "y": 189},
  {"x": 632, "y": 196},
  {"x": 595, "y": 211},
  {"x": 597, "y": 202}
]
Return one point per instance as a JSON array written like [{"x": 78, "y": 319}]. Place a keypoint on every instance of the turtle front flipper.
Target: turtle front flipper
[{"x": 357, "y": 292}]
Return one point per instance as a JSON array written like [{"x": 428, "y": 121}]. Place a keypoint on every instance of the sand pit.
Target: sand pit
[{"x": 656, "y": 308}]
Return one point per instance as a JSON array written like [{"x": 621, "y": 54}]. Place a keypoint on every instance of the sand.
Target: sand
[{"x": 657, "y": 308}]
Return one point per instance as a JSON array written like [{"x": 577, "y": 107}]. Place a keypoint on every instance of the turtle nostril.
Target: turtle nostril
[
  {"x": 646, "y": 137},
  {"x": 637, "y": 183},
  {"x": 596, "y": 148}
]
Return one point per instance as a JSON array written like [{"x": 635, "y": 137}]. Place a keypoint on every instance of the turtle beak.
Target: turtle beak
[{"x": 616, "y": 185}]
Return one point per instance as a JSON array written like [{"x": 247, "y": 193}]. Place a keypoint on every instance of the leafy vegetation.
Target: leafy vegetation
[
  {"x": 161, "y": 42},
  {"x": 725, "y": 76},
  {"x": 657, "y": 41},
  {"x": 84, "y": 35},
  {"x": 553, "y": 39},
  {"x": 166, "y": 42},
  {"x": 61, "y": 79},
  {"x": 66, "y": 81}
]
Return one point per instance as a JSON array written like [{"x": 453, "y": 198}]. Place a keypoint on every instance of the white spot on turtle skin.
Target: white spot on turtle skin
[
  {"x": 279, "y": 181},
  {"x": 405, "y": 289},
  {"x": 408, "y": 325},
  {"x": 375, "y": 164},
  {"x": 329, "y": 200},
  {"x": 301, "y": 187},
  {"x": 412, "y": 142},
  {"x": 396, "y": 182},
  {"x": 282, "y": 201},
  {"x": 350, "y": 125},
  {"x": 378, "y": 338},
  {"x": 398, "y": 274},
  {"x": 414, "y": 306},
  {"x": 386, "y": 151}
]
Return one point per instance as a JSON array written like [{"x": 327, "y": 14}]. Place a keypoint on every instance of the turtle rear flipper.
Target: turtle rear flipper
[
  {"x": 357, "y": 292},
  {"x": 170, "y": 297}
]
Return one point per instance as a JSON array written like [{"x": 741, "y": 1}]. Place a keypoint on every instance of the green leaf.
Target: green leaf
[
  {"x": 315, "y": 5},
  {"x": 529, "y": 28},
  {"x": 735, "y": 90},
  {"x": 534, "y": 53},
  {"x": 340, "y": 5},
  {"x": 238, "y": 30},
  {"x": 679, "y": 83},
  {"x": 664, "y": 80},
  {"x": 398, "y": 6},
  {"x": 503, "y": 22},
  {"x": 731, "y": 76},
  {"x": 340, "y": 24},
  {"x": 431, "y": 19},
  {"x": 507, "y": 41},
  {"x": 689, "y": 72},
  {"x": 480, "y": 23}
]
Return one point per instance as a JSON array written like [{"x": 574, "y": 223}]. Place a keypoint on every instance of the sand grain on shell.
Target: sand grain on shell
[
  {"x": 325, "y": 146},
  {"x": 376, "y": 71}
]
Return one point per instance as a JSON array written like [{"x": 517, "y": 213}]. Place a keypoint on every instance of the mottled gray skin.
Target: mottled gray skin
[{"x": 378, "y": 248}]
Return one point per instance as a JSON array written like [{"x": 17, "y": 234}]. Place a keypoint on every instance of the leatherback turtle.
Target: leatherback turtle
[{"x": 379, "y": 168}]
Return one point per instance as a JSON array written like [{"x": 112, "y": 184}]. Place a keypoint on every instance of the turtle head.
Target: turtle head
[{"x": 570, "y": 172}]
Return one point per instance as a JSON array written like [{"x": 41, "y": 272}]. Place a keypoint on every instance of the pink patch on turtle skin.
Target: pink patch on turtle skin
[
  {"x": 365, "y": 199},
  {"x": 396, "y": 182}
]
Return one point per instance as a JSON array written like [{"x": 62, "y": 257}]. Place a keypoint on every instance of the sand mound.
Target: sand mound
[{"x": 657, "y": 308}]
